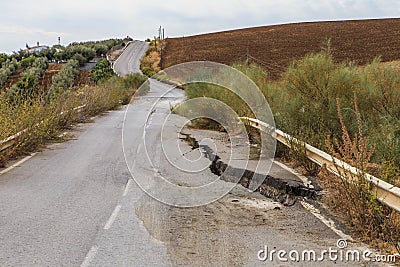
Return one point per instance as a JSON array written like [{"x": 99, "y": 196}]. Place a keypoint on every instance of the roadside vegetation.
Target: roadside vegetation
[
  {"x": 41, "y": 114},
  {"x": 65, "y": 79},
  {"x": 150, "y": 63},
  {"x": 349, "y": 111},
  {"x": 28, "y": 84},
  {"x": 82, "y": 52},
  {"x": 8, "y": 68}
]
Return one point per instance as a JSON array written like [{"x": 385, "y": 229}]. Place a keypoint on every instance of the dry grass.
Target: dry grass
[
  {"x": 354, "y": 198},
  {"x": 150, "y": 63}
]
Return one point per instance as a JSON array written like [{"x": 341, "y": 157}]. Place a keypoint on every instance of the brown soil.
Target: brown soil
[{"x": 275, "y": 47}]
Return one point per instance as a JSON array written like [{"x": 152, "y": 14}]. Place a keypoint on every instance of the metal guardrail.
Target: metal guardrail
[
  {"x": 11, "y": 140},
  {"x": 388, "y": 194}
]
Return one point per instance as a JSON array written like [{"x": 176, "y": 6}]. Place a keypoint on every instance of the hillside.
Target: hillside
[
  {"x": 275, "y": 47},
  {"x": 46, "y": 80}
]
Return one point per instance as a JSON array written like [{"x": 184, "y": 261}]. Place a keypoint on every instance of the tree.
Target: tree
[
  {"x": 9, "y": 67},
  {"x": 3, "y": 58},
  {"x": 66, "y": 78},
  {"x": 27, "y": 62},
  {"x": 100, "y": 49},
  {"x": 80, "y": 58},
  {"x": 101, "y": 71}
]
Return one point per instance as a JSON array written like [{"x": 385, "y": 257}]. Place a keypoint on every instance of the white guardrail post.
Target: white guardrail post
[{"x": 388, "y": 194}]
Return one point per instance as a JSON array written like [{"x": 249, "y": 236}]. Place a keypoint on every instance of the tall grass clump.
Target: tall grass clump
[{"x": 231, "y": 98}]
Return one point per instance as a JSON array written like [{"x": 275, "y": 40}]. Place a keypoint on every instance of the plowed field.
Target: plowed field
[{"x": 275, "y": 47}]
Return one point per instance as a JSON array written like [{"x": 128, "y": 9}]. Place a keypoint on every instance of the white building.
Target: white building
[{"x": 36, "y": 49}]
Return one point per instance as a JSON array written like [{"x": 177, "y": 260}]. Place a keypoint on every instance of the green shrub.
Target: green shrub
[
  {"x": 4, "y": 76},
  {"x": 102, "y": 71},
  {"x": 41, "y": 63},
  {"x": 9, "y": 67},
  {"x": 124, "y": 87},
  {"x": 3, "y": 58},
  {"x": 86, "y": 52},
  {"x": 304, "y": 103},
  {"x": 27, "y": 62},
  {"x": 134, "y": 80},
  {"x": 28, "y": 85},
  {"x": 80, "y": 58},
  {"x": 66, "y": 78}
]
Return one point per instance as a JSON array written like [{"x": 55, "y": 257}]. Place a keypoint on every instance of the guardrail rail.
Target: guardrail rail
[{"x": 388, "y": 194}]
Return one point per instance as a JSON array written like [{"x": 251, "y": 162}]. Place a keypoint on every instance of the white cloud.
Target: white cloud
[
  {"x": 98, "y": 19},
  {"x": 17, "y": 29}
]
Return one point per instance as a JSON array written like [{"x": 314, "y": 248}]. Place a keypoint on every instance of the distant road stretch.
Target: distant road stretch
[{"x": 129, "y": 61}]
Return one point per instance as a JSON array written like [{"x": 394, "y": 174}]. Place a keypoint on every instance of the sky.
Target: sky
[{"x": 28, "y": 22}]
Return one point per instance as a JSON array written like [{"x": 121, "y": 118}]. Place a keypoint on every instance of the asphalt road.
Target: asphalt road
[
  {"x": 58, "y": 206},
  {"x": 76, "y": 203},
  {"x": 129, "y": 61}
]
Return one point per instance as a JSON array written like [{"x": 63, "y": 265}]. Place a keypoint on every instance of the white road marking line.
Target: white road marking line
[
  {"x": 127, "y": 187},
  {"x": 137, "y": 153},
  {"x": 89, "y": 256},
  {"x": 112, "y": 217},
  {"x": 327, "y": 222},
  {"x": 305, "y": 180},
  {"x": 311, "y": 208},
  {"x": 17, "y": 164},
  {"x": 138, "y": 148}
]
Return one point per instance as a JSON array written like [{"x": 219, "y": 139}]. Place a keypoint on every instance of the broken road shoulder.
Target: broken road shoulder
[{"x": 282, "y": 184}]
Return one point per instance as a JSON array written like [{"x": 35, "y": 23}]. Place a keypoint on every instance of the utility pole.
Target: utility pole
[{"x": 161, "y": 57}]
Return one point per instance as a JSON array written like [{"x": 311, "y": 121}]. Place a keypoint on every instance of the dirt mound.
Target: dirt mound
[{"x": 275, "y": 47}]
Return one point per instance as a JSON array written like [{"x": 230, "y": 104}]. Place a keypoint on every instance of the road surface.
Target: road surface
[
  {"x": 129, "y": 61},
  {"x": 76, "y": 204}
]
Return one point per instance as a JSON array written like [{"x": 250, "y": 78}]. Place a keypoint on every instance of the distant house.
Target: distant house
[{"x": 36, "y": 49}]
